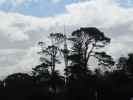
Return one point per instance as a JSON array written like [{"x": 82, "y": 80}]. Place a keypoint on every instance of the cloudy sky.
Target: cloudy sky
[{"x": 24, "y": 22}]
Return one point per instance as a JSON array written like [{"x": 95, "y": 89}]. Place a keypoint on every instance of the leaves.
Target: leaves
[
  {"x": 104, "y": 59},
  {"x": 93, "y": 34},
  {"x": 57, "y": 38},
  {"x": 86, "y": 42}
]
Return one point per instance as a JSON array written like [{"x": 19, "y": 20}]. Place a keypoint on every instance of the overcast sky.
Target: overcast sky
[{"x": 24, "y": 22}]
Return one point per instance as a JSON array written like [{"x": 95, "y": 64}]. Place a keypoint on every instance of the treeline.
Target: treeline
[{"x": 77, "y": 54}]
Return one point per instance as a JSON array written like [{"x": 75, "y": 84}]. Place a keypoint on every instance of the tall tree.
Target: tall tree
[
  {"x": 122, "y": 64},
  {"x": 130, "y": 63},
  {"x": 86, "y": 43},
  {"x": 126, "y": 63},
  {"x": 60, "y": 40},
  {"x": 49, "y": 58},
  {"x": 49, "y": 54}
]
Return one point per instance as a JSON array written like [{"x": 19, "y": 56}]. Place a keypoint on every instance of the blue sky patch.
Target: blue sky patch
[{"x": 39, "y": 8}]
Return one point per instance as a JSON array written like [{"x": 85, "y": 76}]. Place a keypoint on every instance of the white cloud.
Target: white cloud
[
  {"x": 10, "y": 51},
  {"x": 17, "y": 27},
  {"x": 10, "y": 31}
]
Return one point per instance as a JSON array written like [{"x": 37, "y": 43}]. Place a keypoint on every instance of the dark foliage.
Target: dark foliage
[{"x": 78, "y": 82}]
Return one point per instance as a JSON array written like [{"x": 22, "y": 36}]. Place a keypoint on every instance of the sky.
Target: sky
[{"x": 25, "y": 22}]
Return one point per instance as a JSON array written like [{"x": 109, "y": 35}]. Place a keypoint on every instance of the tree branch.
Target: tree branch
[{"x": 88, "y": 56}]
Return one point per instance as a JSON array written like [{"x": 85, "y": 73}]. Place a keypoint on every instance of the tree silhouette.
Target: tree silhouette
[
  {"x": 77, "y": 53},
  {"x": 58, "y": 39},
  {"x": 130, "y": 63},
  {"x": 18, "y": 84},
  {"x": 62, "y": 39},
  {"x": 125, "y": 63},
  {"x": 122, "y": 63},
  {"x": 1, "y": 88},
  {"x": 104, "y": 60},
  {"x": 49, "y": 59},
  {"x": 86, "y": 43},
  {"x": 41, "y": 74}
]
